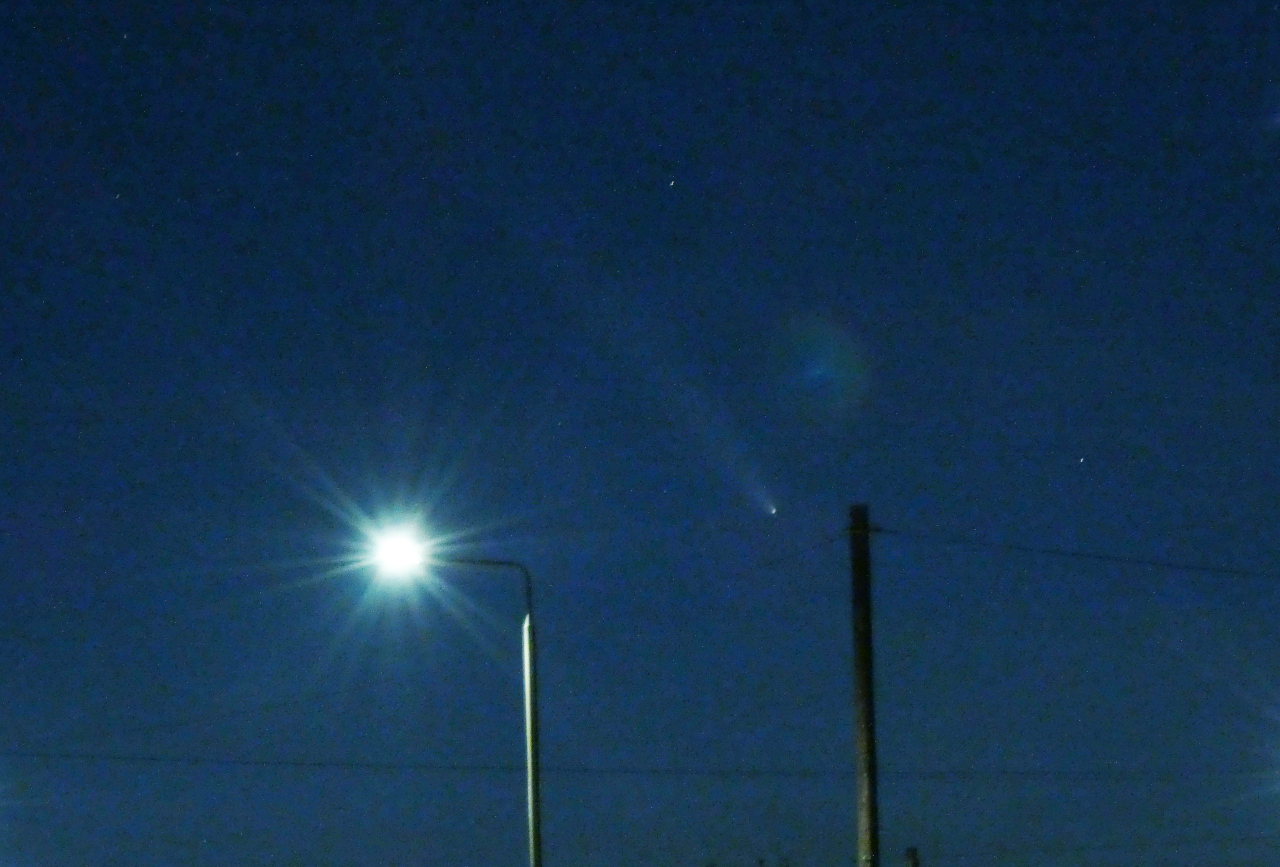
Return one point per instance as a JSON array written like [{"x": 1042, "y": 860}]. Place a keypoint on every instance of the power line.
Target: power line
[
  {"x": 1132, "y": 846},
  {"x": 634, "y": 770},
  {"x": 1110, "y": 774},
  {"x": 193, "y": 761},
  {"x": 763, "y": 563},
  {"x": 798, "y": 552},
  {"x": 432, "y": 767},
  {"x": 1074, "y": 554}
]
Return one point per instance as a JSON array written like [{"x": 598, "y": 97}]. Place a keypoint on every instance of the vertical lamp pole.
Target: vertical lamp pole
[
  {"x": 531, "y": 748},
  {"x": 864, "y": 692}
]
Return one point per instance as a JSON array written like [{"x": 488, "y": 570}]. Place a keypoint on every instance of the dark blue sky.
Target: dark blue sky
[{"x": 645, "y": 300}]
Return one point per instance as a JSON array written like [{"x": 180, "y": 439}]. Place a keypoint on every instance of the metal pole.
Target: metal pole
[
  {"x": 864, "y": 692},
  {"x": 531, "y": 746},
  {"x": 531, "y": 742}
]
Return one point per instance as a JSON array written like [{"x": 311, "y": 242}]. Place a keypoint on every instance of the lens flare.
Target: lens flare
[{"x": 825, "y": 372}]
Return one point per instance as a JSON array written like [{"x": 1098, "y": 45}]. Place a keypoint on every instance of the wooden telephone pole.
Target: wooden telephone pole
[{"x": 863, "y": 684}]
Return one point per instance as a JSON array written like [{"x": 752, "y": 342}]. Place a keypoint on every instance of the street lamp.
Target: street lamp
[{"x": 401, "y": 554}]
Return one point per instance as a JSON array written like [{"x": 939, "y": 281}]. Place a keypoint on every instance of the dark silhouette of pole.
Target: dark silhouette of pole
[
  {"x": 864, "y": 692},
  {"x": 532, "y": 750},
  {"x": 913, "y": 857}
]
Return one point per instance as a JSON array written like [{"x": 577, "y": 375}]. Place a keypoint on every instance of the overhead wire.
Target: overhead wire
[
  {"x": 1114, "y": 774},
  {"x": 774, "y": 561},
  {"x": 1106, "y": 775},
  {"x": 1077, "y": 554},
  {"x": 1128, "y": 846},
  {"x": 761, "y": 563}
]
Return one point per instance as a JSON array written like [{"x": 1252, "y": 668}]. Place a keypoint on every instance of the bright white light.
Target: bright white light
[{"x": 399, "y": 553}]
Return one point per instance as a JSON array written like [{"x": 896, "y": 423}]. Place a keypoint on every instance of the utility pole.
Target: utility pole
[
  {"x": 864, "y": 693},
  {"x": 913, "y": 857}
]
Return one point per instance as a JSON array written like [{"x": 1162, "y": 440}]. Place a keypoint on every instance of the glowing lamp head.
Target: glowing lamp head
[{"x": 400, "y": 554}]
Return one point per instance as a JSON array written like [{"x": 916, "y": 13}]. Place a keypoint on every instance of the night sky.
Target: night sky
[{"x": 643, "y": 298}]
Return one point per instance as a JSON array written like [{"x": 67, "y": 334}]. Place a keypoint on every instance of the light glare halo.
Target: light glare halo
[{"x": 399, "y": 554}]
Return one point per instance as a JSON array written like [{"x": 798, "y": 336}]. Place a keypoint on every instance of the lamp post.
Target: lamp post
[
  {"x": 399, "y": 554},
  {"x": 531, "y": 748}
]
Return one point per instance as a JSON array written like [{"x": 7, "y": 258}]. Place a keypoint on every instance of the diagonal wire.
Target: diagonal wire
[{"x": 1074, "y": 554}]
